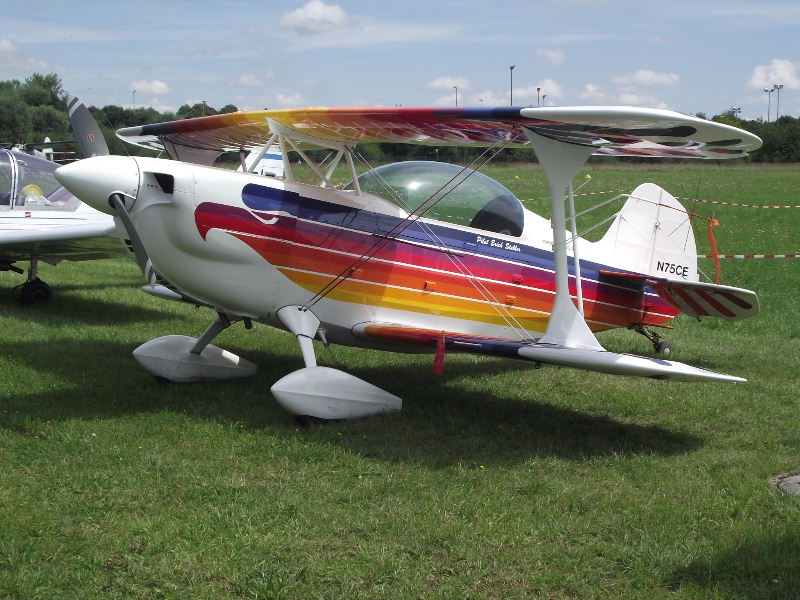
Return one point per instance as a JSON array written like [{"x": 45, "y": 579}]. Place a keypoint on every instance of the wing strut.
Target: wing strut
[{"x": 561, "y": 161}]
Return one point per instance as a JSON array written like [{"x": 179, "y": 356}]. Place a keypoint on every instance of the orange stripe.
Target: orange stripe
[{"x": 408, "y": 276}]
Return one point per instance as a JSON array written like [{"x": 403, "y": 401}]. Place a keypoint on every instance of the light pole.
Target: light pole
[
  {"x": 778, "y": 89},
  {"x": 133, "y": 99},
  {"x": 511, "y": 85},
  {"x": 737, "y": 110},
  {"x": 204, "y": 107},
  {"x": 538, "y": 103},
  {"x": 455, "y": 87},
  {"x": 769, "y": 100},
  {"x": 543, "y": 98}
]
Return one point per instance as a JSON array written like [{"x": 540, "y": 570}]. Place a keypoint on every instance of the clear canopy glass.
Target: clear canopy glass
[
  {"x": 465, "y": 197},
  {"x": 28, "y": 182}
]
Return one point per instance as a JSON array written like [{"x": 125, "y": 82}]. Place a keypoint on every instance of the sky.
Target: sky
[{"x": 686, "y": 55}]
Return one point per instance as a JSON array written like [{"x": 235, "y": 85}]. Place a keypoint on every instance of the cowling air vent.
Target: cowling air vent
[{"x": 165, "y": 181}]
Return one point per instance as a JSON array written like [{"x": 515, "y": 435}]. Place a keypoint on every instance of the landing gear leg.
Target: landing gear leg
[
  {"x": 184, "y": 359},
  {"x": 317, "y": 394},
  {"x": 660, "y": 344},
  {"x": 33, "y": 291}
]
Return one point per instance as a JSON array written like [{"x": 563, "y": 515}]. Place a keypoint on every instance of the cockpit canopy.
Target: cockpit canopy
[
  {"x": 27, "y": 182},
  {"x": 466, "y": 197}
]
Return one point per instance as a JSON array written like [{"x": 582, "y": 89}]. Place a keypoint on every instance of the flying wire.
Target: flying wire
[{"x": 414, "y": 217}]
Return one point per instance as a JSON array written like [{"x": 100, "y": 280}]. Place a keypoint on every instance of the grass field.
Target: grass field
[{"x": 495, "y": 481}]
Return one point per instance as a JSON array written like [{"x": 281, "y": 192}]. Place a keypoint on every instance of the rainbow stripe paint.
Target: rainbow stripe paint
[
  {"x": 621, "y": 131},
  {"x": 469, "y": 276}
]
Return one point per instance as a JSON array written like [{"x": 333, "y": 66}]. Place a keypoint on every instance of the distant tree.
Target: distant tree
[
  {"x": 50, "y": 121},
  {"x": 228, "y": 108},
  {"x": 43, "y": 90},
  {"x": 199, "y": 109},
  {"x": 114, "y": 116},
  {"x": 9, "y": 87},
  {"x": 15, "y": 119}
]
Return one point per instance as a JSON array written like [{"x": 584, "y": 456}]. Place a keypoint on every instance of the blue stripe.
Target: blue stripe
[{"x": 263, "y": 198}]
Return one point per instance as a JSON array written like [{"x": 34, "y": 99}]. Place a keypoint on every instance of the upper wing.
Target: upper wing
[
  {"x": 615, "y": 130},
  {"x": 552, "y": 354}
]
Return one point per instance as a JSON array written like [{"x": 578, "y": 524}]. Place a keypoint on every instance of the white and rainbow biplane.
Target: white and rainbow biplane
[{"x": 412, "y": 256}]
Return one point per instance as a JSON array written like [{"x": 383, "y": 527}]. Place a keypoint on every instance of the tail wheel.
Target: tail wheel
[{"x": 664, "y": 348}]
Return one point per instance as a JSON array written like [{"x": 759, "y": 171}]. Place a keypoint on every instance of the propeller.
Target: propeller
[
  {"x": 117, "y": 202},
  {"x": 87, "y": 131}
]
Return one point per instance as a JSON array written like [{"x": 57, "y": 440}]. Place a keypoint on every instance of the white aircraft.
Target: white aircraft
[
  {"x": 412, "y": 256},
  {"x": 42, "y": 221}
]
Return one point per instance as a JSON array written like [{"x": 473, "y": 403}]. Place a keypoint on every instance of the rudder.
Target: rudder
[{"x": 652, "y": 234}]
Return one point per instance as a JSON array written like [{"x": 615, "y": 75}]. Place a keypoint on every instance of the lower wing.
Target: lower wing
[
  {"x": 551, "y": 354},
  {"x": 78, "y": 241}
]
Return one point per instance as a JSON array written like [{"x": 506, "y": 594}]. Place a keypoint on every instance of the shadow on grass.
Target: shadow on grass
[
  {"x": 441, "y": 423},
  {"x": 68, "y": 309},
  {"x": 764, "y": 566}
]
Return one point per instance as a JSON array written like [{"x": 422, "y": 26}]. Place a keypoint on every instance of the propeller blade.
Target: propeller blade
[
  {"x": 142, "y": 258},
  {"x": 87, "y": 131}
]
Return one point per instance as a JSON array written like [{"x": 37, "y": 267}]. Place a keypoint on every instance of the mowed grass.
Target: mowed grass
[{"x": 495, "y": 481}]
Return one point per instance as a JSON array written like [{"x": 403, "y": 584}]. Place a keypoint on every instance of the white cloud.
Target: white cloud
[
  {"x": 647, "y": 78},
  {"x": 290, "y": 100},
  {"x": 554, "y": 57},
  {"x": 594, "y": 93},
  {"x": 315, "y": 17},
  {"x": 449, "y": 100},
  {"x": 639, "y": 100},
  {"x": 158, "y": 105},
  {"x": 155, "y": 86},
  {"x": 367, "y": 31},
  {"x": 779, "y": 71},
  {"x": 489, "y": 98},
  {"x": 532, "y": 93},
  {"x": 448, "y": 83},
  {"x": 13, "y": 59}
]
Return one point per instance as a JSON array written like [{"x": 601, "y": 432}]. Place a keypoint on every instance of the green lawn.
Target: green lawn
[{"x": 495, "y": 481}]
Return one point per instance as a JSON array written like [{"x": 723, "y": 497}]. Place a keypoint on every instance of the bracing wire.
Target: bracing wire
[
  {"x": 414, "y": 216},
  {"x": 398, "y": 229}
]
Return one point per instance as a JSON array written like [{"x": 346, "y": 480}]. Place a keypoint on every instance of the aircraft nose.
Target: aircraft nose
[{"x": 93, "y": 180}]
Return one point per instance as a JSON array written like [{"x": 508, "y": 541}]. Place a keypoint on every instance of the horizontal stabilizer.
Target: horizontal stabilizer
[
  {"x": 697, "y": 299},
  {"x": 551, "y": 354}
]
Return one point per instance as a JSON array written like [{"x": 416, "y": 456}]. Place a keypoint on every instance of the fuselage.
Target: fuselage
[{"x": 250, "y": 245}]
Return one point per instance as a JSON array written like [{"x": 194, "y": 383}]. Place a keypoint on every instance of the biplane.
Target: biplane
[
  {"x": 412, "y": 256},
  {"x": 42, "y": 221}
]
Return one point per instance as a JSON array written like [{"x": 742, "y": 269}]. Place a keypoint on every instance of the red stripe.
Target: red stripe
[
  {"x": 699, "y": 310},
  {"x": 662, "y": 291},
  {"x": 723, "y": 310},
  {"x": 736, "y": 300}
]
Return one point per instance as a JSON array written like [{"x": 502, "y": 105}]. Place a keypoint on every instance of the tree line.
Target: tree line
[{"x": 36, "y": 108}]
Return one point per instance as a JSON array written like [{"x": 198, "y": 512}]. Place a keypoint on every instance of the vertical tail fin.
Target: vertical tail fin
[{"x": 652, "y": 234}]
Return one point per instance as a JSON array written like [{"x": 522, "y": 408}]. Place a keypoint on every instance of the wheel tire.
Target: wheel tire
[
  {"x": 35, "y": 291},
  {"x": 664, "y": 348},
  {"x": 309, "y": 421}
]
